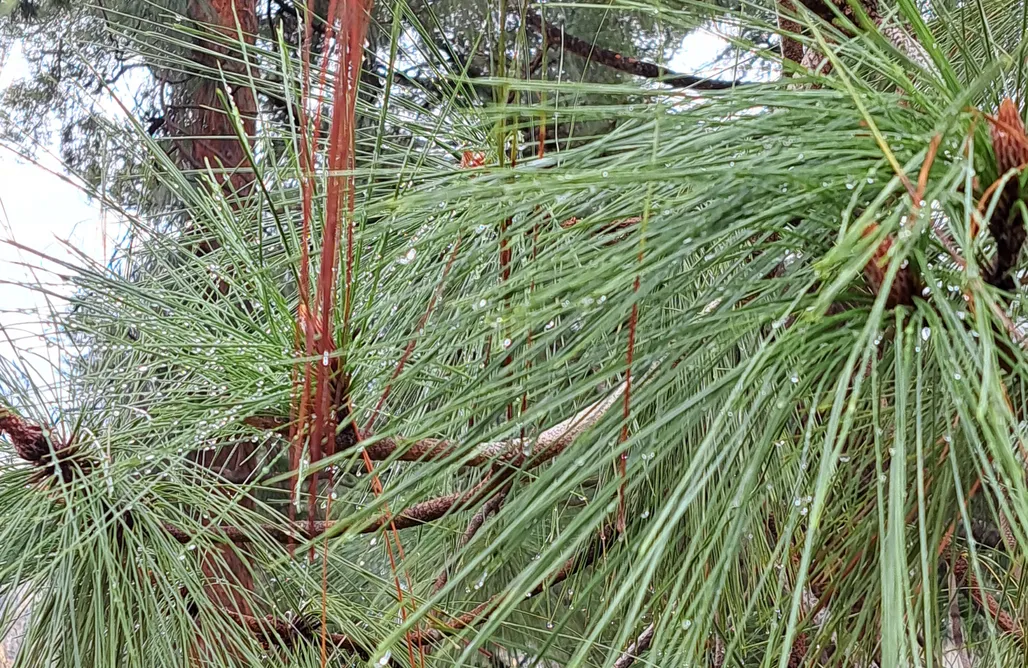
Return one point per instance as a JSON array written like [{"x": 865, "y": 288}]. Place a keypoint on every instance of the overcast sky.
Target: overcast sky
[{"x": 39, "y": 210}]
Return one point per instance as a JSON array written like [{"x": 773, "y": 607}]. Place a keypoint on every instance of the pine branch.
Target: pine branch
[
  {"x": 548, "y": 445},
  {"x": 273, "y": 631},
  {"x": 556, "y": 36},
  {"x": 581, "y": 560},
  {"x": 32, "y": 445},
  {"x": 418, "y": 514}
]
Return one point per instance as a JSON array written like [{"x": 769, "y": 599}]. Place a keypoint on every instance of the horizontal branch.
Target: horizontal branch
[
  {"x": 546, "y": 446},
  {"x": 556, "y": 36},
  {"x": 271, "y": 630},
  {"x": 416, "y": 515}
]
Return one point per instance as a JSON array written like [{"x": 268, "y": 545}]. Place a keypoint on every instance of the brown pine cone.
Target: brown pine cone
[{"x": 1010, "y": 144}]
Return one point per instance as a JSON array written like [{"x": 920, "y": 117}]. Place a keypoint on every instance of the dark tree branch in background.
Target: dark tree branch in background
[{"x": 557, "y": 38}]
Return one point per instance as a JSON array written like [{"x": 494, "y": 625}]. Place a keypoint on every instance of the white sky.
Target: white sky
[{"x": 39, "y": 210}]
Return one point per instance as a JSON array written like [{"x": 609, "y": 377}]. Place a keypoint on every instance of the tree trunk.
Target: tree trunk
[{"x": 211, "y": 139}]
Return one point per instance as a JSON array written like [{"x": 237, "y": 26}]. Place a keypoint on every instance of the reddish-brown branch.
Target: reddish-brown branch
[
  {"x": 273, "y": 631},
  {"x": 545, "y": 447},
  {"x": 416, "y": 515},
  {"x": 627, "y": 411},
  {"x": 614, "y": 60}
]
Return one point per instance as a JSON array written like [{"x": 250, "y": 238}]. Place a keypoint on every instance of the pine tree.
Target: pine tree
[{"x": 737, "y": 380}]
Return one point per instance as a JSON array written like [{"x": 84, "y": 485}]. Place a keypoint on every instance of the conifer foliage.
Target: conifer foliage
[{"x": 736, "y": 380}]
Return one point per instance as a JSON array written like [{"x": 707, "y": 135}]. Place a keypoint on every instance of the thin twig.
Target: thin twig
[
  {"x": 477, "y": 520},
  {"x": 632, "y": 652},
  {"x": 579, "y": 561}
]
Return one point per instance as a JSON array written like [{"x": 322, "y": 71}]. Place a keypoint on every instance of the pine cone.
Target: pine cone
[
  {"x": 32, "y": 444},
  {"x": 903, "y": 286},
  {"x": 1008, "y": 138},
  {"x": 28, "y": 439},
  {"x": 1010, "y": 144}
]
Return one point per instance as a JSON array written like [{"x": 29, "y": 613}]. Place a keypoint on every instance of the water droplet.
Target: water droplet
[
  {"x": 384, "y": 661},
  {"x": 506, "y": 343},
  {"x": 686, "y": 624},
  {"x": 925, "y": 333},
  {"x": 324, "y": 358},
  {"x": 957, "y": 376}
]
